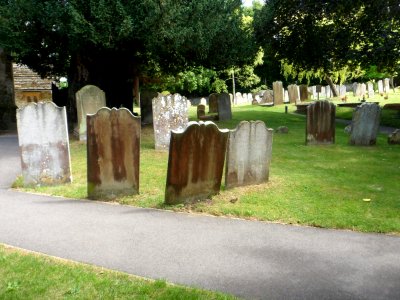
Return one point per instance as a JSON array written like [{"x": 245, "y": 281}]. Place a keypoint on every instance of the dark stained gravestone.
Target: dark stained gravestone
[
  {"x": 213, "y": 103},
  {"x": 249, "y": 154},
  {"x": 146, "y": 106},
  {"x": 365, "y": 124},
  {"x": 320, "y": 128},
  {"x": 303, "y": 92},
  {"x": 113, "y": 151},
  {"x": 195, "y": 163},
  {"x": 44, "y": 144},
  {"x": 224, "y": 107},
  {"x": 201, "y": 111}
]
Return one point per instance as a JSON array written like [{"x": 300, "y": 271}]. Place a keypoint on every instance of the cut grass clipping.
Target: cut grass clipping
[
  {"x": 26, "y": 275},
  {"x": 323, "y": 186}
]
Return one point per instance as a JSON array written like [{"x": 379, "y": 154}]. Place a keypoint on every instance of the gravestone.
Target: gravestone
[
  {"x": 328, "y": 92},
  {"x": 386, "y": 85},
  {"x": 195, "y": 163},
  {"x": 169, "y": 113},
  {"x": 44, "y": 145},
  {"x": 249, "y": 154},
  {"x": 365, "y": 124},
  {"x": 313, "y": 91},
  {"x": 394, "y": 137},
  {"x": 293, "y": 93},
  {"x": 113, "y": 151},
  {"x": 370, "y": 88},
  {"x": 320, "y": 127},
  {"x": 303, "y": 92},
  {"x": 278, "y": 92},
  {"x": 146, "y": 106},
  {"x": 89, "y": 100},
  {"x": 212, "y": 103},
  {"x": 286, "y": 96},
  {"x": 268, "y": 97},
  {"x": 380, "y": 87},
  {"x": 224, "y": 107},
  {"x": 201, "y": 111},
  {"x": 363, "y": 90}
]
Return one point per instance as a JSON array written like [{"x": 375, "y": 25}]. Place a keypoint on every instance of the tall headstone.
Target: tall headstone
[
  {"x": 113, "y": 151},
  {"x": 146, "y": 106},
  {"x": 320, "y": 127},
  {"x": 44, "y": 144},
  {"x": 365, "y": 124},
  {"x": 386, "y": 85},
  {"x": 212, "y": 103},
  {"x": 278, "y": 92},
  {"x": 224, "y": 107},
  {"x": 286, "y": 96},
  {"x": 89, "y": 100},
  {"x": 293, "y": 93},
  {"x": 370, "y": 88},
  {"x": 248, "y": 154},
  {"x": 355, "y": 88},
  {"x": 380, "y": 87},
  {"x": 363, "y": 90},
  {"x": 169, "y": 113},
  {"x": 195, "y": 163},
  {"x": 303, "y": 92},
  {"x": 201, "y": 111}
]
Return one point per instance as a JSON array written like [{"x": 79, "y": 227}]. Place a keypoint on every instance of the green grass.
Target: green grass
[
  {"x": 25, "y": 275},
  {"x": 323, "y": 186}
]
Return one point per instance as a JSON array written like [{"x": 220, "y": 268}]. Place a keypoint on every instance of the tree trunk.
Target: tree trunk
[{"x": 332, "y": 85}]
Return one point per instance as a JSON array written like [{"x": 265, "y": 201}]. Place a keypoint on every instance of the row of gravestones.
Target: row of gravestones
[{"x": 196, "y": 153}]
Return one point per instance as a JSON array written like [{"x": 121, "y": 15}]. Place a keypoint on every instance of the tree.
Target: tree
[
  {"x": 329, "y": 36},
  {"x": 108, "y": 42}
]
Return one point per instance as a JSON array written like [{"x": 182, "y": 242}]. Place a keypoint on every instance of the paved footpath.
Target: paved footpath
[{"x": 254, "y": 260}]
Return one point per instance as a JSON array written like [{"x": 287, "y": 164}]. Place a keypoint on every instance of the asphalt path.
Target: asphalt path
[{"x": 254, "y": 260}]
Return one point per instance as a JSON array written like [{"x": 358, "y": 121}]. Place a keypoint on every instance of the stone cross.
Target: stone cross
[
  {"x": 320, "y": 127},
  {"x": 89, "y": 100},
  {"x": 195, "y": 163},
  {"x": 248, "y": 154},
  {"x": 169, "y": 113},
  {"x": 44, "y": 145},
  {"x": 113, "y": 151},
  {"x": 365, "y": 124}
]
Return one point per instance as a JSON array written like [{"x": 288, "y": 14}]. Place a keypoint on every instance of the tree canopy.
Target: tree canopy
[
  {"x": 107, "y": 42},
  {"x": 330, "y": 36}
]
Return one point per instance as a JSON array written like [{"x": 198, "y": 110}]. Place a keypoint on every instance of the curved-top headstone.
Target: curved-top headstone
[
  {"x": 212, "y": 103},
  {"x": 224, "y": 107},
  {"x": 89, "y": 100},
  {"x": 320, "y": 127},
  {"x": 169, "y": 113},
  {"x": 195, "y": 163},
  {"x": 44, "y": 144},
  {"x": 365, "y": 124},
  {"x": 249, "y": 154},
  {"x": 113, "y": 150}
]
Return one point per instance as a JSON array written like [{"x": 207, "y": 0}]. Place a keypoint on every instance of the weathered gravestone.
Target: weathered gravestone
[
  {"x": 224, "y": 107},
  {"x": 146, "y": 106},
  {"x": 394, "y": 137},
  {"x": 195, "y": 163},
  {"x": 248, "y": 154},
  {"x": 293, "y": 93},
  {"x": 89, "y": 100},
  {"x": 380, "y": 87},
  {"x": 201, "y": 111},
  {"x": 386, "y": 85},
  {"x": 212, "y": 103},
  {"x": 169, "y": 113},
  {"x": 113, "y": 150},
  {"x": 277, "y": 87},
  {"x": 365, "y": 124},
  {"x": 363, "y": 90},
  {"x": 303, "y": 92},
  {"x": 356, "y": 90},
  {"x": 320, "y": 127},
  {"x": 268, "y": 97},
  {"x": 43, "y": 143},
  {"x": 370, "y": 88}
]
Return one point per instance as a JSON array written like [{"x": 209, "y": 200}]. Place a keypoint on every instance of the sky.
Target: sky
[{"x": 248, "y": 2}]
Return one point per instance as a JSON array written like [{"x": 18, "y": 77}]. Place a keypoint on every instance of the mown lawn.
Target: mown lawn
[
  {"x": 335, "y": 186},
  {"x": 25, "y": 275}
]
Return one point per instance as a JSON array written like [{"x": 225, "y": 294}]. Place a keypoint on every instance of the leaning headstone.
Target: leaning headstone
[
  {"x": 370, "y": 88},
  {"x": 386, "y": 85},
  {"x": 293, "y": 93},
  {"x": 380, "y": 87},
  {"x": 169, "y": 113},
  {"x": 320, "y": 127},
  {"x": 146, "y": 106},
  {"x": 365, "y": 124},
  {"x": 394, "y": 137},
  {"x": 113, "y": 151},
  {"x": 224, "y": 107},
  {"x": 89, "y": 100},
  {"x": 248, "y": 154},
  {"x": 212, "y": 103},
  {"x": 195, "y": 163},
  {"x": 303, "y": 92},
  {"x": 278, "y": 92},
  {"x": 44, "y": 145}
]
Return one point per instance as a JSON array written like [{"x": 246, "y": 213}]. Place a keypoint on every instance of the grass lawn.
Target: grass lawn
[
  {"x": 26, "y": 275},
  {"x": 323, "y": 186}
]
